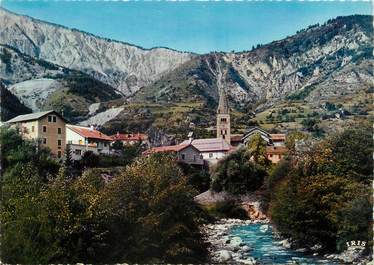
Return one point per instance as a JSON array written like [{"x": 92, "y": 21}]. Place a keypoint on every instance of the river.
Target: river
[{"x": 266, "y": 248}]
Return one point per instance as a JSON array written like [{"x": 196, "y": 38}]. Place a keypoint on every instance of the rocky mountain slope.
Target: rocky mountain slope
[
  {"x": 123, "y": 66},
  {"x": 314, "y": 64},
  {"x": 10, "y": 106},
  {"x": 41, "y": 85},
  {"x": 49, "y": 66}
]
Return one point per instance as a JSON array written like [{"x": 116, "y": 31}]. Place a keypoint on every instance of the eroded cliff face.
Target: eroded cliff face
[
  {"x": 324, "y": 65},
  {"x": 123, "y": 66},
  {"x": 318, "y": 63}
]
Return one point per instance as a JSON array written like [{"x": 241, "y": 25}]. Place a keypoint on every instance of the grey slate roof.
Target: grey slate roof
[
  {"x": 31, "y": 116},
  {"x": 253, "y": 130},
  {"x": 209, "y": 145}
]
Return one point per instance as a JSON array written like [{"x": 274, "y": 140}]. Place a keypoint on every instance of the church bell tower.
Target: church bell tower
[{"x": 223, "y": 118}]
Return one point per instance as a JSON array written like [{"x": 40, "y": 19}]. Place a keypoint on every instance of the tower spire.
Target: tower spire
[
  {"x": 223, "y": 106},
  {"x": 223, "y": 118}
]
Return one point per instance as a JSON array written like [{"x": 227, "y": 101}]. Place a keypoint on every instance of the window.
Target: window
[
  {"x": 33, "y": 128},
  {"x": 183, "y": 156},
  {"x": 270, "y": 155},
  {"x": 59, "y": 130},
  {"x": 54, "y": 118},
  {"x": 44, "y": 128},
  {"x": 223, "y": 119},
  {"x": 70, "y": 142},
  {"x": 24, "y": 130},
  {"x": 44, "y": 140},
  {"x": 59, "y": 154},
  {"x": 210, "y": 155},
  {"x": 59, "y": 142},
  {"x": 194, "y": 157},
  {"x": 49, "y": 118},
  {"x": 223, "y": 136},
  {"x": 105, "y": 144},
  {"x": 80, "y": 142},
  {"x": 78, "y": 152}
]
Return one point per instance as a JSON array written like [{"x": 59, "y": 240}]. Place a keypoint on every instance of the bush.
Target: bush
[
  {"x": 146, "y": 214},
  {"x": 237, "y": 174},
  {"x": 323, "y": 197},
  {"x": 228, "y": 209},
  {"x": 155, "y": 218}
]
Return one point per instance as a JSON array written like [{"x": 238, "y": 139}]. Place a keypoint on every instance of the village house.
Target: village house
[
  {"x": 275, "y": 153},
  {"x": 185, "y": 153},
  {"x": 236, "y": 139},
  {"x": 82, "y": 139},
  {"x": 278, "y": 139},
  {"x": 47, "y": 127},
  {"x": 130, "y": 138},
  {"x": 252, "y": 131},
  {"x": 211, "y": 149},
  {"x": 205, "y": 150},
  {"x": 275, "y": 149}
]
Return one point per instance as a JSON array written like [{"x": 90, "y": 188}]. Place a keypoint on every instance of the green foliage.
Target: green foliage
[
  {"x": 307, "y": 210},
  {"x": 227, "y": 209},
  {"x": 323, "y": 195},
  {"x": 198, "y": 177},
  {"x": 10, "y": 105},
  {"x": 311, "y": 125},
  {"x": 6, "y": 58},
  {"x": 50, "y": 223},
  {"x": 155, "y": 217},
  {"x": 277, "y": 173},
  {"x": 256, "y": 148},
  {"x": 237, "y": 174},
  {"x": 301, "y": 94},
  {"x": 293, "y": 137},
  {"x": 19, "y": 152},
  {"x": 147, "y": 214}
]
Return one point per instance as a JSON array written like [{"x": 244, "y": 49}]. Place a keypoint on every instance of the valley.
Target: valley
[{"x": 277, "y": 85}]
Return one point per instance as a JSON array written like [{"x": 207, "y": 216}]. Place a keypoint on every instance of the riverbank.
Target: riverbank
[
  {"x": 225, "y": 248},
  {"x": 234, "y": 241}
]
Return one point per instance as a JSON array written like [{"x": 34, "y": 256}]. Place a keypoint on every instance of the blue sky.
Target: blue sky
[{"x": 188, "y": 26}]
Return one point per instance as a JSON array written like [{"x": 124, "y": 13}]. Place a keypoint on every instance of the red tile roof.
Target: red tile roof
[
  {"x": 89, "y": 133},
  {"x": 129, "y": 137},
  {"x": 278, "y": 137},
  {"x": 276, "y": 150},
  {"x": 236, "y": 137}
]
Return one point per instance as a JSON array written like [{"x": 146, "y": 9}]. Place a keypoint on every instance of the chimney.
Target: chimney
[
  {"x": 117, "y": 134},
  {"x": 91, "y": 128}
]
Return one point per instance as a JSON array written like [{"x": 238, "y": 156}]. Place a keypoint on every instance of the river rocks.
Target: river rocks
[
  {"x": 225, "y": 248},
  {"x": 236, "y": 241},
  {"x": 285, "y": 243},
  {"x": 246, "y": 248},
  {"x": 351, "y": 256},
  {"x": 224, "y": 256},
  {"x": 316, "y": 247},
  {"x": 301, "y": 250}
]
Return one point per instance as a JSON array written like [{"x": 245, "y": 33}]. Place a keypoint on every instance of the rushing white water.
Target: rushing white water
[{"x": 266, "y": 248}]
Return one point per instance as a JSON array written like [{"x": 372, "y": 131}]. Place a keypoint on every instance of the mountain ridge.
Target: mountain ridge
[
  {"x": 310, "y": 66},
  {"x": 123, "y": 66}
]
